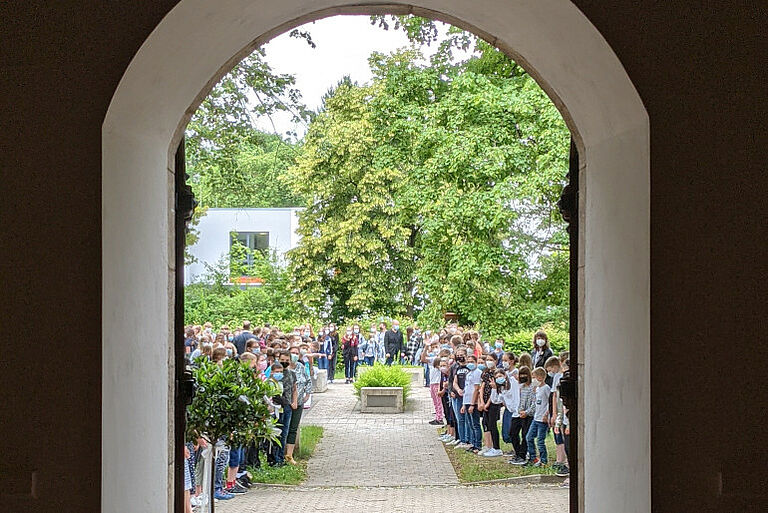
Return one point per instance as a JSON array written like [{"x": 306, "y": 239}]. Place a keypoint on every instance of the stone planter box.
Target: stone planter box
[
  {"x": 417, "y": 374},
  {"x": 381, "y": 400},
  {"x": 320, "y": 381}
]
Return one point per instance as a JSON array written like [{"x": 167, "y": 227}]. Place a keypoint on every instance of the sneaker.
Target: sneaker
[
  {"x": 236, "y": 488},
  {"x": 455, "y": 441},
  {"x": 223, "y": 496},
  {"x": 517, "y": 461},
  {"x": 435, "y": 422},
  {"x": 244, "y": 482},
  {"x": 563, "y": 471},
  {"x": 540, "y": 463},
  {"x": 493, "y": 453},
  {"x": 449, "y": 439},
  {"x": 532, "y": 463},
  {"x": 462, "y": 445},
  {"x": 482, "y": 451}
]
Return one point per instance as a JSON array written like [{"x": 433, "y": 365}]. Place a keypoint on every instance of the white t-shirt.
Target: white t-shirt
[
  {"x": 556, "y": 380},
  {"x": 434, "y": 375},
  {"x": 472, "y": 382},
  {"x": 542, "y": 402}
]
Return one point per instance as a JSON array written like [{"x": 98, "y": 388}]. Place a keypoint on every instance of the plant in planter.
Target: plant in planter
[
  {"x": 229, "y": 405},
  {"x": 381, "y": 375}
]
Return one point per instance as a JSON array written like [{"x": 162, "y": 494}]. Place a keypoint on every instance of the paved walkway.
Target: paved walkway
[{"x": 385, "y": 463}]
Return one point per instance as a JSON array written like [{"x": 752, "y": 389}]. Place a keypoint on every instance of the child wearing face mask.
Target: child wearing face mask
[
  {"x": 540, "y": 425},
  {"x": 507, "y": 365},
  {"x": 434, "y": 390},
  {"x": 490, "y": 408},
  {"x": 471, "y": 399},
  {"x": 444, "y": 385},
  {"x": 458, "y": 377},
  {"x": 521, "y": 423}
]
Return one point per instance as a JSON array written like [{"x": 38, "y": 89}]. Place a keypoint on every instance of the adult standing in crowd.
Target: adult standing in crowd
[
  {"x": 394, "y": 343},
  {"x": 245, "y": 335},
  {"x": 349, "y": 345},
  {"x": 541, "y": 351},
  {"x": 332, "y": 359},
  {"x": 303, "y": 393}
]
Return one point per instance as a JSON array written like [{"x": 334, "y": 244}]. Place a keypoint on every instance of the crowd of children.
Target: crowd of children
[{"x": 474, "y": 388}]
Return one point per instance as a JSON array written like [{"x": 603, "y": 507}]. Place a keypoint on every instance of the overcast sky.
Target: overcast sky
[{"x": 344, "y": 44}]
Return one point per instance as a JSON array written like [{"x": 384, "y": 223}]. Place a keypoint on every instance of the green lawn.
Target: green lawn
[
  {"x": 471, "y": 468},
  {"x": 289, "y": 474}
]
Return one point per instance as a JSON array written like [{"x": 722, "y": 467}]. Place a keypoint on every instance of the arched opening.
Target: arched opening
[{"x": 187, "y": 53}]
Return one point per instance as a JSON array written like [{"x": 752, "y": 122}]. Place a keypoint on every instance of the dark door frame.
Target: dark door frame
[{"x": 184, "y": 207}]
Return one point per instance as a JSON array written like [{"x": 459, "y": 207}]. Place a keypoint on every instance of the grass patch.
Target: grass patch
[
  {"x": 290, "y": 474},
  {"x": 471, "y": 468}
]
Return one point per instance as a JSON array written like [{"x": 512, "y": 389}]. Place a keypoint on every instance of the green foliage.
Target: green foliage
[
  {"x": 215, "y": 299},
  {"x": 290, "y": 474},
  {"x": 381, "y": 375},
  {"x": 228, "y": 403},
  {"x": 434, "y": 189}
]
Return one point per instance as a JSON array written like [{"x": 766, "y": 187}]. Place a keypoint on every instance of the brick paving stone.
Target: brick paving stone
[{"x": 385, "y": 463}]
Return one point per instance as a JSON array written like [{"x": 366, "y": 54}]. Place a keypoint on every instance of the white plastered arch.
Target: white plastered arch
[{"x": 193, "y": 46}]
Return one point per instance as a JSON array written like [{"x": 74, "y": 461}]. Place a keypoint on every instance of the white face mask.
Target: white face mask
[
  {"x": 535, "y": 382},
  {"x": 551, "y": 374},
  {"x": 505, "y": 365},
  {"x": 356, "y": 331},
  {"x": 349, "y": 333},
  {"x": 540, "y": 342},
  {"x": 490, "y": 364}
]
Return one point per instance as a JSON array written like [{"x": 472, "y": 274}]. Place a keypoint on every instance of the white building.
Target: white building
[{"x": 255, "y": 228}]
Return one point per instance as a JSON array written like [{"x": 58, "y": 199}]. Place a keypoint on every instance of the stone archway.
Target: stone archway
[{"x": 194, "y": 45}]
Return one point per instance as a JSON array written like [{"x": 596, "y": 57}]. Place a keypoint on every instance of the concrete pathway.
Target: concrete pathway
[{"x": 385, "y": 463}]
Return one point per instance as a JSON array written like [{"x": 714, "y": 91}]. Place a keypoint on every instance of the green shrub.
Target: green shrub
[{"x": 381, "y": 375}]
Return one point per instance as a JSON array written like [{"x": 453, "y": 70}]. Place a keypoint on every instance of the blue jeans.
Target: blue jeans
[
  {"x": 506, "y": 426},
  {"x": 426, "y": 373},
  {"x": 461, "y": 425},
  {"x": 369, "y": 360},
  {"x": 390, "y": 360},
  {"x": 285, "y": 424},
  {"x": 322, "y": 363},
  {"x": 475, "y": 432},
  {"x": 236, "y": 456},
  {"x": 538, "y": 430},
  {"x": 349, "y": 368}
]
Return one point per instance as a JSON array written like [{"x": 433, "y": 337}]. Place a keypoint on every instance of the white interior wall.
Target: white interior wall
[{"x": 193, "y": 46}]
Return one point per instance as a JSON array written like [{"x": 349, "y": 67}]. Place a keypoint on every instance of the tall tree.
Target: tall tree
[{"x": 434, "y": 188}]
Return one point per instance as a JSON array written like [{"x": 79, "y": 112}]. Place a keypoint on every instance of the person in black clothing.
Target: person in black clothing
[
  {"x": 335, "y": 349},
  {"x": 394, "y": 343},
  {"x": 541, "y": 351},
  {"x": 243, "y": 337}
]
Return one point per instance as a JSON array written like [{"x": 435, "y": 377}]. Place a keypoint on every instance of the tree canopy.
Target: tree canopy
[{"x": 432, "y": 188}]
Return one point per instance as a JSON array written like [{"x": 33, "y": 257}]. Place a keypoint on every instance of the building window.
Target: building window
[{"x": 253, "y": 241}]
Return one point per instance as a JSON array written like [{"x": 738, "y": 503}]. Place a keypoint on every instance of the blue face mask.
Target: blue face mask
[
  {"x": 229, "y": 352},
  {"x": 481, "y": 366},
  {"x": 501, "y": 381},
  {"x": 278, "y": 376},
  {"x": 471, "y": 366},
  {"x": 255, "y": 350},
  {"x": 230, "y": 338},
  {"x": 446, "y": 346},
  {"x": 499, "y": 345}
]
